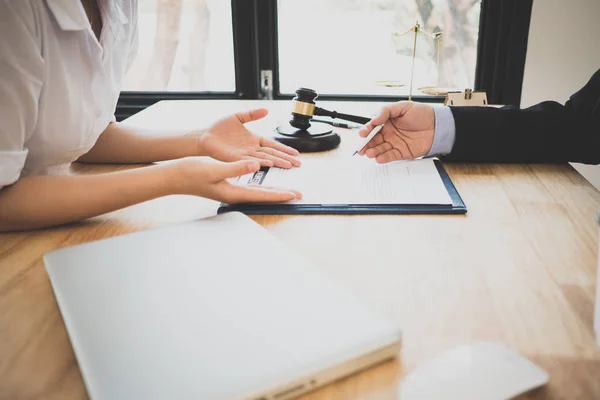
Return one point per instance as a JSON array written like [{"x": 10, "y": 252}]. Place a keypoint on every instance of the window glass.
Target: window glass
[
  {"x": 366, "y": 47},
  {"x": 184, "y": 45}
]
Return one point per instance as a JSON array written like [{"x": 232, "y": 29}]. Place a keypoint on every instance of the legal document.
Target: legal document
[{"x": 358, "y": 180}]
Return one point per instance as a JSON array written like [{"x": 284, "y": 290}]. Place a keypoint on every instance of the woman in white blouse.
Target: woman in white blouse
[{"x": 62, "y": 63}]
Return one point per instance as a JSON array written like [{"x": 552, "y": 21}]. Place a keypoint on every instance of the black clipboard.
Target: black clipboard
[{"x": 457, "y": 206}]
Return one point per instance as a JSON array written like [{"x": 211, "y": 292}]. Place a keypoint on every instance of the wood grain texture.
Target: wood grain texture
[{"x": 519, "y": 268}]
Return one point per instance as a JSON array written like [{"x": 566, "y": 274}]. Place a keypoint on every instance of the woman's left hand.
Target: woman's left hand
[{"x": 229, "y": 140}]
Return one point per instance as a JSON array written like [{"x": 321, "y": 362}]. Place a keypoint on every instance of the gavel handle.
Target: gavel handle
[{"x": 334, "y": 114}]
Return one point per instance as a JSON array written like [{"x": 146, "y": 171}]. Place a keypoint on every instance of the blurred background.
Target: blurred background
[{"x": 337, "y": 46}]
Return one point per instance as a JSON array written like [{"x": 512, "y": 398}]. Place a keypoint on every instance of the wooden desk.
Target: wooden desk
[{"x": 519, "y": 268}]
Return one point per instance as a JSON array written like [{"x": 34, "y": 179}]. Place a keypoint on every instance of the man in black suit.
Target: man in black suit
[{"x": 545, "y": 133}]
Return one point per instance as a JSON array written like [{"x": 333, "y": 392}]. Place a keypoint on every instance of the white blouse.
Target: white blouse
[{"x": 59, "y": 85}]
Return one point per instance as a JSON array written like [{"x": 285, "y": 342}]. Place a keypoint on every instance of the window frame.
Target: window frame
[
  {"x": 255, "y": 48},
  {"x": 267, "y": 14}
]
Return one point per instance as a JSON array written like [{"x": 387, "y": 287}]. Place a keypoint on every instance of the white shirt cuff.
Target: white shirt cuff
[
  {"x": 444, "y": 133},
  {"x": 11, "y": 165}
]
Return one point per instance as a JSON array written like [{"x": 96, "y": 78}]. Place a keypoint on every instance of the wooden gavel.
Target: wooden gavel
[{"x": 305, "y": 109}]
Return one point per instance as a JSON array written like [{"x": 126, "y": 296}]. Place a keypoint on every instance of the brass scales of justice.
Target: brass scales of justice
[
  {"x": 453, "y": 95},
  {"x": 431, "y": 90}
]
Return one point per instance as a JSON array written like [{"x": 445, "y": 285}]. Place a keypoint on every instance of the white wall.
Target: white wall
[{"x": 563, "y": 52}]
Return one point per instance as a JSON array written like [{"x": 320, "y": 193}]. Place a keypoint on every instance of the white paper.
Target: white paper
[{"x": 359, "y": 180}]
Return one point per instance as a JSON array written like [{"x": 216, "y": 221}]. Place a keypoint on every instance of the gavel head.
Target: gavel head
[{"x": 304, "y": 108}]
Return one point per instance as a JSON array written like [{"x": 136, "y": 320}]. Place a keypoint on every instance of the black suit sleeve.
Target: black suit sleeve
[{"x": 545, "y": 133}]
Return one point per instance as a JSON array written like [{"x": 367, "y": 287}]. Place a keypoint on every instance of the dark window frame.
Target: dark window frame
[
  {"x": 267, "y": 14},
  {"x": 256, "y": 48}
]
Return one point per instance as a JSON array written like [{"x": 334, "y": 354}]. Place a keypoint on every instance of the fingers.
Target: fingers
[
  {"x": 297, "y": 193},
  {"x": 377, "y": 140},
  {"x": 389, "y": 156},
  {"x": 279, "y": 158},
  {"x": 392, "y": 111},
  {"x": 274, "y": 161},
  {"x": 264, "y": 162},
  {"x": 256, "y": 194},
  {"x": 251, "y": 115},
  {"x": 394, "y": 149},
  {"x": 379, "y": 149},
  {"x": 264, "y": 142},
  {"x": 385, "y": 114},
  {"x": 366, "y": 129},
  {"x": 223, "y": 171}
]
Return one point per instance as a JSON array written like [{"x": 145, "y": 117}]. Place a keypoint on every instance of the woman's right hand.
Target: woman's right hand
[{"x": 209, "y": 179}]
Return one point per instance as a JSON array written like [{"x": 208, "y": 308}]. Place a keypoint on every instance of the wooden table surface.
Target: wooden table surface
[{"x": 519, "y": 268}]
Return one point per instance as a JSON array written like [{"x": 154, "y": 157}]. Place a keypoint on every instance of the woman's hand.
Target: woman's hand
[
  {"x": 69, "y": 198},
  {"x": 229, "y": 140},
  {"x": 210, "y": 179}
]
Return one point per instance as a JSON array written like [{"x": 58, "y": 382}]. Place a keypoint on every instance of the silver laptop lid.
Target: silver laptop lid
[{"x": 210, "y": 309}]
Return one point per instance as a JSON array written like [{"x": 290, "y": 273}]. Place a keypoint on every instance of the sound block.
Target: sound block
[{"x": 319, "y": 137}]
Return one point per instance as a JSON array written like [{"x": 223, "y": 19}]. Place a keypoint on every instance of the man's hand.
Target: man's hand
[
  {"x": 407, "y": 132},
  {"x": 229, "y": 140}
]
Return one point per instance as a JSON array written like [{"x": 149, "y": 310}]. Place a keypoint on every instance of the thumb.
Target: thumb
[
  {"x": 252, "y": 115},
  {"x": 234, "y": 169},
  {"x": 392, "y": 111}
]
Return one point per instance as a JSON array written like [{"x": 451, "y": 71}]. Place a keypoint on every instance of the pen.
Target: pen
[
  {"x": 368, "y": 138},
  {"x": 338, "y": 124}
]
